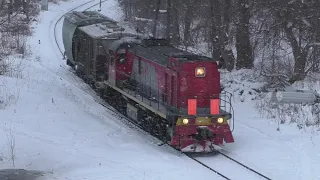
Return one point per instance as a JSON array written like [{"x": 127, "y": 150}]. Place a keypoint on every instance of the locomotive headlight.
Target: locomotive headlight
[
  {"x": 200, "y": 72},
  {"x": 220, "y": 120},
  {"x": 185, "y": 121}
]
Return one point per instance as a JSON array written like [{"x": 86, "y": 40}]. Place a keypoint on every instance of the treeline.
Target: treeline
[
  {"x": 281, "y": 37},
  {"x": 15, "y": 19},
  {"x": 9, "y": 8}
]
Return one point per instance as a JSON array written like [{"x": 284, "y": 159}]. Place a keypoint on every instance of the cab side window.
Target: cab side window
[{"x": 121, "y": 54}]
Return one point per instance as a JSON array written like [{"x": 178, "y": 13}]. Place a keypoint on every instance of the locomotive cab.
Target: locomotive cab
[
  {"x": 197, "y": 85},
  {"x": 122, "y": 63},
  {"x": 203, "y": 112}
]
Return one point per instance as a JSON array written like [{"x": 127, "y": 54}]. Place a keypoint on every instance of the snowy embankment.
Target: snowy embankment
[
  {"x": 51, "y": 123},
  {"x": 246, "y": 86},
  {"x": 283, "y": 152}
]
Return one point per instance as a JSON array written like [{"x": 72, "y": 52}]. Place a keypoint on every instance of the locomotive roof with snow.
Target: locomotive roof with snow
[
  {"x": 159, "y": 50},
  {"x": 99, "y": 26}
]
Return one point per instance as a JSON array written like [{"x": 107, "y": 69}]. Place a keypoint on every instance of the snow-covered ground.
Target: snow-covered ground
[
  {"x": 285, "y": 154},
  {"x": 58, "y": 128}
]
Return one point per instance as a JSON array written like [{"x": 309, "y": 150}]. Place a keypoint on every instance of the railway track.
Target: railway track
[
  {"x": 244, "y": 166},
  {"x": 134, "y": 125},
  {"x": 226, "y": 164},
  {"x": 246, "y": 170}
]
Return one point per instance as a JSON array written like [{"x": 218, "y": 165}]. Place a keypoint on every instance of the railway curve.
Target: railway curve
[{"x": 228, "y": 165}]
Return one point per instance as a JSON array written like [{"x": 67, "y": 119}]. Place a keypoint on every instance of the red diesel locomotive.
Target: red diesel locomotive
[{"x": 173, "y": 94}]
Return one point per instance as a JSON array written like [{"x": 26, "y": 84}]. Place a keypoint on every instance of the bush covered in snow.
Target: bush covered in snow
[
  {"x": 14, "y": 30},
  {"x": 244, "y": 84},
  {"x": 249, "y": 86},
  {"x": 303, "y": 115}
]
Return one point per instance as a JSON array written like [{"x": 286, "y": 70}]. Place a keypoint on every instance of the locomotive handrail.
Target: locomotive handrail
[{"x": 231, "y": 110}]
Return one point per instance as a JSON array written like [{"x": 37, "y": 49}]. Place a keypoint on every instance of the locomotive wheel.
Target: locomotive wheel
[
  {"x": 69, "y": 63},
  {"x": 85, "y": 78},
  {"x": 76, "y": 68},
  {"x": 122, "y": 103},
  {"x": 148, "y": 125},
  {"x": 93, "y": 85},
  {"x": 163, "y": 132},
  {"x": 168, "y": 134},
  {"x": 101, "y": 92},
  {"x": 157, "y": 128}
]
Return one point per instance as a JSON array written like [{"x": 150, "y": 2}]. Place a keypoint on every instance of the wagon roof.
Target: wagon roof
[
  {"x": 85, "y": 18},
  {"x": 160, "y": 52},
  {"x": 108, "y": 29}
]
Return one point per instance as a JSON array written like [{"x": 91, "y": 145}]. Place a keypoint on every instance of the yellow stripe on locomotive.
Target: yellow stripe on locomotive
[{"x": 201, "y": 121}]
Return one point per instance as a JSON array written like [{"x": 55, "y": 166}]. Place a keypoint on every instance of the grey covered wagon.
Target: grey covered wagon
[{"x": 88, "y": 37}]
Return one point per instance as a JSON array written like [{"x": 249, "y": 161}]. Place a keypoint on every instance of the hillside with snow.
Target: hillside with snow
[{"x": 51, "y": 123}]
